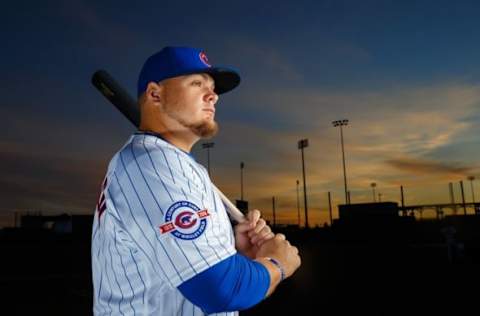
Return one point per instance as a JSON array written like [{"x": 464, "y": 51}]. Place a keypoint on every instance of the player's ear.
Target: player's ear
[{"x": 153, "y": 92}]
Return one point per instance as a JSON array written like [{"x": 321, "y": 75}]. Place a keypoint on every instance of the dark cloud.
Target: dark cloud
[
  {"x": 417, "y": 166},
  {"x": 55, "y": 183}
]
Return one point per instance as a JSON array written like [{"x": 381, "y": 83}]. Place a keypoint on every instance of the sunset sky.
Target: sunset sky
[{"x": 405, "y": 73}]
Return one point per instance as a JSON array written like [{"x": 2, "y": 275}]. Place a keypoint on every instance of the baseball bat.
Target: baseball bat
[{"x": 120, "y": 98}]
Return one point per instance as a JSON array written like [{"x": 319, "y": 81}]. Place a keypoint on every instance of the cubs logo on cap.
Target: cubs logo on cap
[
  {"x": 204, "y": 59},
  {"x": 185, "y": 220}
]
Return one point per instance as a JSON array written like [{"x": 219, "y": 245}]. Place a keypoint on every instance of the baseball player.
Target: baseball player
[{"x": 162, "y": 242}]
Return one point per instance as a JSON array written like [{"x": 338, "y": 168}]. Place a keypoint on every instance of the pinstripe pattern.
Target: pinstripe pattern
[
  {"x": 136, "y": 269},
  {"x": 140, "y": 231},
  {"x": 132, "y": 296}
]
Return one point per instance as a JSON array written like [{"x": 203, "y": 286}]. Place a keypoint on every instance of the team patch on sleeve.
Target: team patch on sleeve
[{"x": 185, "y": 220}]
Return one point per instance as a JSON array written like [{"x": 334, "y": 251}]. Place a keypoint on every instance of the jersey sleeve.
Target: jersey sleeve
[
  {"x": 170, "y": 211},
  {"x": 236, "y": 283}
]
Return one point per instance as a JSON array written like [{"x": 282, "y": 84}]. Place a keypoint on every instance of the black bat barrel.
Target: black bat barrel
[{"x": 117, "y": 95}]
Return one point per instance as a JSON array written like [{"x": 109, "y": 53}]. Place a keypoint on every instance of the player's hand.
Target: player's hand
[
  {"x": 251, "y": 234},
  {"x": 280, "y": 249}
]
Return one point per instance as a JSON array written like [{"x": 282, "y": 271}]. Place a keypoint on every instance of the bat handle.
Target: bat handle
[{"x": 231, "y": 208}]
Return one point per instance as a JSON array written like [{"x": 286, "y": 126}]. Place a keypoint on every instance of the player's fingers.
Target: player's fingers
[
  {"x": 295, "y": 249},
  {"x": 261, "y": 231},
  {"x": 261, "y": 224},
  {"x": 264, "y": 234},
  {"x": 253, "y": 216},
  {"x": 261, "y": 241},
  {"x": 280, "y": 236},
  {"x": 243, "y": 227}
]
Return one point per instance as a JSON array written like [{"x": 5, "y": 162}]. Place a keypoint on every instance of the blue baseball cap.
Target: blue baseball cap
[{"x": 178, "y": 61}]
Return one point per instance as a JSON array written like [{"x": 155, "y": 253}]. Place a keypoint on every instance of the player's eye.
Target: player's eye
[{"x": 197, "y": 83}]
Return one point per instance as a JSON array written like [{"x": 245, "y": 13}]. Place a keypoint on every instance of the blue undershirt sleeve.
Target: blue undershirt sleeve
[{"x": 233, "y": 284}]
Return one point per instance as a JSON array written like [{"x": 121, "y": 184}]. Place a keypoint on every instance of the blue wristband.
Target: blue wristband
[{"x": 279, "y": 266}]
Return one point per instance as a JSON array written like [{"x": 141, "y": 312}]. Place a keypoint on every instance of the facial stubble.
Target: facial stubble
[{"x": 204, "y": 129}]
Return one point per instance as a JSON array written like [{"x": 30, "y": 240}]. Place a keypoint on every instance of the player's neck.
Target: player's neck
[
  {"x": 170, "y": 129},
  {"x": 182, "y": 139}
]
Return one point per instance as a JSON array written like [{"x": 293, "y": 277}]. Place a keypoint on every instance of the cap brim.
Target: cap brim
[{"x": 226, "y": 79}]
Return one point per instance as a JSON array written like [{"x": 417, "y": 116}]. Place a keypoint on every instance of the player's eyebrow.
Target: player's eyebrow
[{"x": 208, "y": 78}]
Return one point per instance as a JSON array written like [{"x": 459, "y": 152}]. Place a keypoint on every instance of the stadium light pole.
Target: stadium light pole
[
  {"x": 335, "y": 124},
  {"x": 208, "y": 146},
  {"x": 301, "y": 145}
]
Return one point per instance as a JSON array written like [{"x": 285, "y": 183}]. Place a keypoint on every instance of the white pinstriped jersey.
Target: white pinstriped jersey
[{"x": 158, "y": 223}]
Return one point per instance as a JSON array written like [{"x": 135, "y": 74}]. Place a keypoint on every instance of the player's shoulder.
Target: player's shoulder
[
  {"x": 150, "y": 142},
  {"x": 140, "y": 144},
  {"x": 150, "y": 154},
  {"x": 146, "y": 150},
  {"x": 127, "y": 156}
]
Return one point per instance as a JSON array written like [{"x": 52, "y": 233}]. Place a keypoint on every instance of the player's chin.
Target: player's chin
[{"x": 206, "y": 129}]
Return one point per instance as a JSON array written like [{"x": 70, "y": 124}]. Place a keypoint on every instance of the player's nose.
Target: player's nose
[{"x": 211, "y": 97}]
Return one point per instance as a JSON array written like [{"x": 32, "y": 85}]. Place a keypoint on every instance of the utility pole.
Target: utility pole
[
  {"x": 463, "y": 199},
  {"x": 208, "y": 146},
  {"x": 273, "y": 211},
  {"x": 373, "y": 185},
  {"x": 330, "y": 207},
  {"x": 452, "y": 198},
  {"x": 298, "y": 203},
  {"x": 402, "y": 196},
  {"x": 471, "y": 178}
]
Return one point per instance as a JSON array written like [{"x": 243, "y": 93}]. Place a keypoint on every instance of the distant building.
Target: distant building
[
  {"x": 64, "y": 223},
  {"x": 368, "y": 212},
  {"x": 379, "y": 222}
]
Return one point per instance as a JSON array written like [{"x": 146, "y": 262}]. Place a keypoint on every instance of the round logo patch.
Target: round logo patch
[{"x": 185, "y": 220}]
